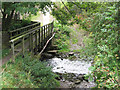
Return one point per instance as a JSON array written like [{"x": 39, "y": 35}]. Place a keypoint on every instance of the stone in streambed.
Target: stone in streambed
[
  {"x": 71, "y": 53},
  {"x": 59, "y": 78},
  {"x": 58, "y": 67},
  {"x": 47, "y": 56},
  {"x": 53, "y": 51},
  {"x": 77, "y": 81},
  {"x": 80, "y": 77}
]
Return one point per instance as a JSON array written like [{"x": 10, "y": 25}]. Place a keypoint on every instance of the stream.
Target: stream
[{"x": 71, "y": 72}]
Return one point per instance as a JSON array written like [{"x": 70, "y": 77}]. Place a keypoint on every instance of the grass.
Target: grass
[
  {"x": 74, "y": 40},
  {"x": 78, "y": 50},
  {"x": 28, "y": 72},
  {"x": 5, "y": 52},
  {"x": 64, "y": 50}
]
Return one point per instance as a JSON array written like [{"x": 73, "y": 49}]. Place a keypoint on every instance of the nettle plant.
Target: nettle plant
[{"x": 107, "y": 60}]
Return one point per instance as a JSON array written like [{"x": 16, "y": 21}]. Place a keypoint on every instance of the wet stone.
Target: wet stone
[
  {"x": 58, "y": 67},
  {"x": 71, "y": 53},
  {"x": 46, "y": 56},
  {"x": 80, "y": 77},
  {"x": 77, "y": 81}
]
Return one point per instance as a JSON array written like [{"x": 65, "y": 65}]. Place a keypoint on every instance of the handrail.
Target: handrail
[
  {"x": 23, "y": 27},
  {"x": 13, "y": 40},
  {"x": 24, "y": 32}
]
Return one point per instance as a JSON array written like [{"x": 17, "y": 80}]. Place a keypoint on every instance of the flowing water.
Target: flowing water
[
  {"x": 68, "y": 66},
  {"x": 71, "y": 72}
]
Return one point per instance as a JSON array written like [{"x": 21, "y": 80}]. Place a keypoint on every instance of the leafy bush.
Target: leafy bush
[
  {"x": 105, "y": 33},
  {"x": 62, "y": 37},
  {"x": 19, "y": 24},
  {"x": 25, "y": 22},
  {"x": 28, "y": 73}
]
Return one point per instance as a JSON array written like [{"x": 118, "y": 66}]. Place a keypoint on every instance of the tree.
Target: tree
[
  {"x": 10, "y": 9},
  {"x": 66, "y": 12}
]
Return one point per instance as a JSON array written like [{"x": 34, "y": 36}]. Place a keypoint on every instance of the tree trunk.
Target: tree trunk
[{"x": 7, "y": 21}]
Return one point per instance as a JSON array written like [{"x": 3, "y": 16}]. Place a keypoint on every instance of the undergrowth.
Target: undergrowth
[
  {"x": 5, "y": 52},
  {"x": 19, "y": 24},
  {"x": 28, "y": 72},
  {"x": 104, "y": 46},
  {"x": 62, "y": 37}
]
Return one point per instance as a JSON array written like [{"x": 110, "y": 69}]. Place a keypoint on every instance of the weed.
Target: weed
[
  {"x": 5, "y": 52},
  {"x": 62, "y": 37},
  {"x": 28, "y": 72}
]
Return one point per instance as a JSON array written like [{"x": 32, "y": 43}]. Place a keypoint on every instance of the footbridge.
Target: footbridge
[{"x": 32, "y": 38}]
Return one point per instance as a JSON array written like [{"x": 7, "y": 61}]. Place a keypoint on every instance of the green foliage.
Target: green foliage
[
  {"x": 19, "y": 24},
  {"x": 105, "y": 33},
  {"x": 12, "y": 9},
  {"x": 74, "y": 40},
  {"x": 34, "y": 17},
  {"x": 28, "y": 72},
  {"x": 5, "y": 52},
  {"x": 88, "y": 50},
  {"x": 25, "y": 22},
  {"x": 62, "y": 37},
  {"x": 25, "y": 7},
  {"x": 67, "y": 13}
]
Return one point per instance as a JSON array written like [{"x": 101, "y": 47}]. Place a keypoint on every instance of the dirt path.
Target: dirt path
[{"x": 76, "y": 38}]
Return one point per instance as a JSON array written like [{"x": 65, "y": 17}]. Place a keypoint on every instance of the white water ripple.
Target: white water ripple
[{"x": 68, "y": 66}]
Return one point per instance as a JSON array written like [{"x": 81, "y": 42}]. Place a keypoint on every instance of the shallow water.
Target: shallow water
[
  {"x": 73, "y": 69},
  {"x": 68, "y": 66}
]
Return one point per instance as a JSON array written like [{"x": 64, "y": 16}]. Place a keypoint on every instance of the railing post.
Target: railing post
[
  {"x": 49, "y": 31},
  {"x": 45, "y": 33},
  {"x": 39, "y": 37},
  {"x": 36, "y": 42},
  {"x": 29, "y": 42},
  {"x": 13, "y": 51},
  {"x": 44, "y": 36},
  {"x": 23, "y": 51},
  {"x": 32, "y": 42}
]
